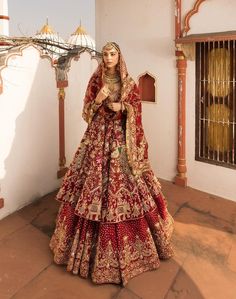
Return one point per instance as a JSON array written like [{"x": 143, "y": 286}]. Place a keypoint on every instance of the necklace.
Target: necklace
[{"x": 111, "y": 80}]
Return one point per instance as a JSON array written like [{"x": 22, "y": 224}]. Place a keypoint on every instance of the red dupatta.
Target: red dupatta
[{"x": 136, "y": 144}]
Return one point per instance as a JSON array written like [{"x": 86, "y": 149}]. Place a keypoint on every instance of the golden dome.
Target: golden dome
[
  {"x": 81, "y": 38},
  {"x": 48, "y": 34},
  {"x": 80, "y": 31},
  {"x": 47, "y": 30}
]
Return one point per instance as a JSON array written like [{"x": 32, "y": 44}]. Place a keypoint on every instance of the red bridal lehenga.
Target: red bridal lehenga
[{"x": 113, "y": 223}]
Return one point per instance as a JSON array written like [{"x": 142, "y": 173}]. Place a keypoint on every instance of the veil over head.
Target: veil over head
[
  {"x": 121, "y": 67},
  {"x": 135, "y": 139}
]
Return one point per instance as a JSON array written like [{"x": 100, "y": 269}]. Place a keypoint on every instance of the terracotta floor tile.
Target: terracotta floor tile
[
  {"x": 45, "y": 221},
  {"x": 202, "y": 236},
  {"x": 213, "y": 206},
  {"x": 184, "y": 288},
  {"x": 155, "y": 284},
  {"x": 173, "y": 208},
  {"x": 200, "y": 201},
  {"x": 179, "y": 254},
  {"x": 11, "y": 224},
  {"x": 174, "y": 194},
  {"x": 56, "y": 283},
  {"x": 42, "y": 213},
  {"x": 208, "y": 281},
  {"x": 23, "y": 255},
  {"x": 231, "y": 262},
  {"x": 126, "y": 294},
  {"x": 39, "y": 206}
]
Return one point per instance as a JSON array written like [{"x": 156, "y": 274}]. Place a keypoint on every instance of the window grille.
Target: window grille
[{"x": 216, "y": 102}]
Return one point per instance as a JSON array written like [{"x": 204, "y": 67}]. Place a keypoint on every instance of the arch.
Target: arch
[
  {"x": 187, "y": 18},
  {"x": 147, "y": 87}
]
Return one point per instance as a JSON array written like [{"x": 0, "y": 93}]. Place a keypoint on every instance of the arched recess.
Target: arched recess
[{"x": 147, "y": 87}]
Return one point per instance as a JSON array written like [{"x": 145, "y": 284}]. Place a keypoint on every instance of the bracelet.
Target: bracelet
[{"x": 96, "y": 103}]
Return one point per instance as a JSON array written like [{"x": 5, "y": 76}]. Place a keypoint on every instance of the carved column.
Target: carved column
[
  {"x": 177, "y": 18},
  {"x": 181, "y": 65},
  {"x": 62, "y": 158}
]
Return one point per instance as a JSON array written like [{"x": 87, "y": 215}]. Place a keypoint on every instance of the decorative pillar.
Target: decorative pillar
[
  {"x": 181, "y": 65},
  {"x": 177, "y": 18},
  {"x": 4, "y": 18},
  {"x": 61, "y": 98}
]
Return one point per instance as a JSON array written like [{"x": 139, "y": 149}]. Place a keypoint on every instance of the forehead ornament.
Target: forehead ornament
[{"x": 108, "y": 46}]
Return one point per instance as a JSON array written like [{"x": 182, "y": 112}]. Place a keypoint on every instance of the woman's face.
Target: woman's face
[{"x": 110, "y": 57}]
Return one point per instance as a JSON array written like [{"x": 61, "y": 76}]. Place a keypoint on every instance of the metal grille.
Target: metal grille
[{"x": 216, "y": 102}]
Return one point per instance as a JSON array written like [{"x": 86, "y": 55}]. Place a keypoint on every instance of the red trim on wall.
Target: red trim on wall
[
  {"x": 188, "y": 16},
  {"x": 5, "y": 43},
  {"x": 62, "y": 84},
  {"x": 2, "y": 17},
  {"x": 1, "y": 203}
]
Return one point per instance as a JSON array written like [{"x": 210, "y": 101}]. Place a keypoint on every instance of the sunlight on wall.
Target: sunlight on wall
[
  {"x": 29, "y": 127},
  {"x": 18, "y": 77}
]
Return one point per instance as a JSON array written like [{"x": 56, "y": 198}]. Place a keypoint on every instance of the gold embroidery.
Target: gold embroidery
[
  {"x": 111, "y": 195},
  {"x": 113, "y": 262},
  {"x": 59, "y": 243}
]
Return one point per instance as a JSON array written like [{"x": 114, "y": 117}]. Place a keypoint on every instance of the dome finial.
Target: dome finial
[
  {"x": 46, "y": 29},
  {"x": 81, "y": 38}
]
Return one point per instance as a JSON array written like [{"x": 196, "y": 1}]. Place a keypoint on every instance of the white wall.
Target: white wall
[
  {"x": 28, "y": 130},
  {"x": 213, "y": 16},
  {"x": 145, "y": 32},
  {"x": 146, "y": 40},
  {"x": 78, "y": 77}
]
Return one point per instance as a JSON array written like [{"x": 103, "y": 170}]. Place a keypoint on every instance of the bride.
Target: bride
[{"x": 113, "y": 223}]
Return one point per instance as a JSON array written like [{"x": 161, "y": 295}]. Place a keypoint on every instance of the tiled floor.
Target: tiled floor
[{"x": 204, "y": 266}]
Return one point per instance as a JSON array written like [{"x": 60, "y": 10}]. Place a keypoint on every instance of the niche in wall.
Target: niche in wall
[{"x": 147, "y": 87}]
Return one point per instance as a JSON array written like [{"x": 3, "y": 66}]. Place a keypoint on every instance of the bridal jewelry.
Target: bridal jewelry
[{"x": 111, "y": 80}]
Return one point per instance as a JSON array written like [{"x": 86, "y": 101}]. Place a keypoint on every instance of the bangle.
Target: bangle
[{"x": 96, "y": 103}]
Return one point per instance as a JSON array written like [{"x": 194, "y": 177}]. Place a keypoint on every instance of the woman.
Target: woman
[{"x": 113, "y": 222}]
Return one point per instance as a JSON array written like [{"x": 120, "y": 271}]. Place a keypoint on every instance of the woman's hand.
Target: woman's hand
[
  {"x": 114, "y": 106},
  {"x": 102, "y": 95}
]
